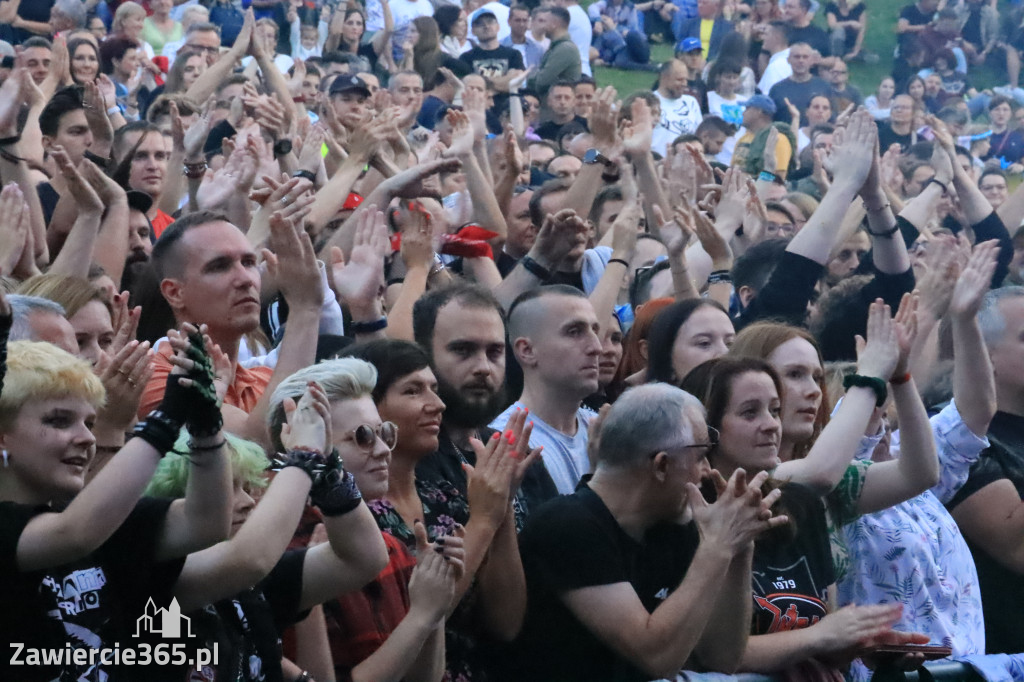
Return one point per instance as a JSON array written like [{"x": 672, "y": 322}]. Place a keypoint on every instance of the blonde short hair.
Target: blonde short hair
[
  {"x": 123, "y": 12},
  {"x": 41, "y": 371}
]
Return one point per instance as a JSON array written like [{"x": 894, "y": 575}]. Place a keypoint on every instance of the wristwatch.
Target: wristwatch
[
  {"x": 282, "y": 147},
  {"x": 594, "y": 156}
]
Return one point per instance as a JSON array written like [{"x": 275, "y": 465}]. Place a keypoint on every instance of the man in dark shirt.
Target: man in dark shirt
[
  {"x": 462, "y": 327},
  {"x": 798, "y": 88},
  {"x": 489, "y": 59},
  {"x": 1005, "y": 144},
  {"x": 797, "y": 13},
  {"x": 914, "y": 19},
  {"x": 988, "y": 507},
  {"x": 561, "y": 102},
  {"x": 618, "y": 588},
  {"x": 899, "y": 128}
]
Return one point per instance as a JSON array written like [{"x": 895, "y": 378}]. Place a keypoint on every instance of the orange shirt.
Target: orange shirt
[
  {"x": 243, "y": 393},
  {"x": 160, "y": 221}
]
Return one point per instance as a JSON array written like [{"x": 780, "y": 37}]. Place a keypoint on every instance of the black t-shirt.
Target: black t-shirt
[
  {"x": 493, "y": 63},
  {"x": 791, "y": 574},
  {"x": 813, "y": 36},
  {"x": 888, "y": 137},
  {"x": 971, "y": 32},
  {"x": 799, "y": 95},
  {"x": 852, "y": 12},
  {"x": 574, "y": 542},
  {"x": 914, "y": 17},
  {"x": 90, "y": 603},
  {"x": 48, "y": 199},
  {"x": 552, "y": 131},
  {"x": 246, "y": 629},
  {"x": 1002, "y": 590}
]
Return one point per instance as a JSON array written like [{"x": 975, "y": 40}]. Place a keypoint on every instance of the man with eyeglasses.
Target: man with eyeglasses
[
  {"x": 203, "y": 38},
  {"x": 841, "y": 92},
  {"x": 899, "y": 128},
  {"x": 634, "y": 576}
]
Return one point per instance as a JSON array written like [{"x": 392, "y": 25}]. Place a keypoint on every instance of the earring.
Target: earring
[{"x": 6, "y": 458}]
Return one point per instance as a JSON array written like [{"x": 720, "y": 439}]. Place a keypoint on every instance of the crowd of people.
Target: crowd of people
[{"x": 385, "y": 342}]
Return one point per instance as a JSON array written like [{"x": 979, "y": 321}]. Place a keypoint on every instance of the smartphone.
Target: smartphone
[{"x": 890, "y": 652}]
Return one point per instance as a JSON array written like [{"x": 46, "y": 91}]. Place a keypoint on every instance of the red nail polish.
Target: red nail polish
[
  {"x": 511, "y": 439},
  {"x": 495, "y": 436}
]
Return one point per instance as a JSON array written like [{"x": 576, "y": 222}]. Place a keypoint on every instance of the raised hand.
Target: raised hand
[
  {"x": 308, "y": 422},
  {"x": 86, "y": 198},
  {"x": 905, "y": 326},
  {"x": 732, "y": 207},
  {"x": 14, "y": 218},
  {"x": 124, "y": 375},
  {"x": 291, "y": 261},
  {"x": 853, "y": 151},
  {"x": 712, "y": 241},
  {"x": 637, "y": 137},
  {"x": 125, "y": 322},
  {"x": 438, "y": 565},
  {"x": 360, "y": 281},
  {"x": 624, "y": 229},
  {"x": 490, "y": 481},
  {"x": 418, "y": 239},
  {"x": 520, "y": 427},
  {"x": 739, "y": 514},
  {"x": 975, "y": 280},
  {"x": 409, "y": 183},
  {"x": 602, "y": 120},
  {"x": 462, "y": 134},
  {"x": 880, "y": 354},
  {"x": 558, "y": 236}
]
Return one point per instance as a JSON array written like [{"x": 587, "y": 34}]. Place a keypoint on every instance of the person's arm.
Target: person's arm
[
  {"x": 418, "y": 257},
  {"x": 466, "y": 146},
  {"x": 12, "y": 167},
  {"x": 53, "y": 539},
  {"x": 292, "y": 264},
  {"x": 605, "y": 295},
  {"x": 974, "y": 388},
  {"x": 637, "y": 147},
  {"x": 725, "y": 637},
  {"x": 588, "y": 182},
  {"x": 208, "y": 81},
  {"x": 275, "y": 81},
  {"x": 75, "y": 257},
  {"x": 555, "y": 239},
  {"x": 414, "y": 650},
  {"x": 888, "y": 250},
  {"x": 976, "y": 208},
  {"x": 825, "y": 464},
  {"x": 851, "y": 161},
  {"x": 557, "y": 61},
  {"x": 187, "y": 149},
  {"x": 660, "y": 642},
  {"x": 381, "y": 38},
  {"x": 111, "y": 248}
]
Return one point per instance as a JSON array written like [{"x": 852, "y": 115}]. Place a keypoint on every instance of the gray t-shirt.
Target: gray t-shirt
[{"x": 565, "y": 457}]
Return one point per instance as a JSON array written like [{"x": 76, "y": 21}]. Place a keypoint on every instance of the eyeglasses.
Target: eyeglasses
[
  {"x": 203, "y": 48},
  {"x": 365, "y": 436},
  {"x": 713, "y": 439}
]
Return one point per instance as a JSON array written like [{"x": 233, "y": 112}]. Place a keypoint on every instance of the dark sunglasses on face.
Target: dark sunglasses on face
[{"x": 365, "y": 436}]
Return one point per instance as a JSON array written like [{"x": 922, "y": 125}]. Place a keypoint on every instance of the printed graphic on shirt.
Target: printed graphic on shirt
[
  {"x": 680, "y": 116},
  {"x": 491, "y": 68},
  {"x": 787, "y": 598}
]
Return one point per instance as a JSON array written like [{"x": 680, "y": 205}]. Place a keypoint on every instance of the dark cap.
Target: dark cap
[
  {"x": 345, "y": 83},
  {"x": 139, "y": 201}
]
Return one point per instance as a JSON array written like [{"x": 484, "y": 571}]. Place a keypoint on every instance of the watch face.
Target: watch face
[
  {"x": 591, "y": 156},
  {"x": 283, "y": 147}
]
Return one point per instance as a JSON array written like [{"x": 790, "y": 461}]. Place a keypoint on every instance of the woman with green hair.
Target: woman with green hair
[{"x": 241, "y": 593}]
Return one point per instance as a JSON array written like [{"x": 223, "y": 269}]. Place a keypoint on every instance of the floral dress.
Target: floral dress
[{"x": 444, "y": 507}]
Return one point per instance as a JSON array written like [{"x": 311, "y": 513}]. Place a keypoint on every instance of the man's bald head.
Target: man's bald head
[{"x": 529, "y": 311}]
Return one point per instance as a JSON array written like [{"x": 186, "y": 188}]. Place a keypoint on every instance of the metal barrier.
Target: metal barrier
[{"x": 939, "y": 671}]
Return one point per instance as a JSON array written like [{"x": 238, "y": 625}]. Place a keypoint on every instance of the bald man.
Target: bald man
[{"x": 554, "y": 335}]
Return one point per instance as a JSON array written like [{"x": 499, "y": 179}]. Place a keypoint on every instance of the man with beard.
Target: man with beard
[{"x": 463, "y": 330}]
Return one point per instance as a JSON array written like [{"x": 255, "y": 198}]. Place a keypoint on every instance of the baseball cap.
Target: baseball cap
[
  {"x": 345, "y": 83},
  {"x": 762, "y": 102},
  {"x": 483, "y": 14},
  {"x": 689, "y": 45}
]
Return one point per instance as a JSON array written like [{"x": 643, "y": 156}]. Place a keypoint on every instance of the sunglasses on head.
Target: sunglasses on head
[{"x": 365, "y": 436}]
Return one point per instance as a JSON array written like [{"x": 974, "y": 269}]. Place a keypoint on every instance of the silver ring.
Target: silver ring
[{"x": 284, "y": 200}]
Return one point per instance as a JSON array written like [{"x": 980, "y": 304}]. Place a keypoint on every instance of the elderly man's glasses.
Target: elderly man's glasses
[
  {"x": 365, "y": 436},
  {"x": 713, "y": 438}
]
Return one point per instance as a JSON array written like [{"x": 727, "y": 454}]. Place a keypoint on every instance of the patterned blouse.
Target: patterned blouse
[
  {"x": 443, "y": 507},
  {"x": 913, "y": 553}
]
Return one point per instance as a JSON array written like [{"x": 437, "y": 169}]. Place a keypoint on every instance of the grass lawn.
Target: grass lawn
[{"x": 880, "y": 39}]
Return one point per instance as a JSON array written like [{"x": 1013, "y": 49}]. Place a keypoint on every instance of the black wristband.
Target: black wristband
[
  {"x": 887, "y": 234},
  {"x": 932, "y": 180},
  {"x": 535, "y": 268},
  {"x": 159, "y": 430},
  {"x": 719, "y": 277},
  {"x": 874, "y": 383},
  {"x": 368, "y": 327},
  {"x": 618, "y": 260},
  {"x": 335, "y": 491},
  {"x": 14, "y": 139},
  {"x": 310, "y": 461},
  {"x": 303, "y": 173}
]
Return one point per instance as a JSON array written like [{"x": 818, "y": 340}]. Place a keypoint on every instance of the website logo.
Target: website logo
[{"x": 164, "y": 622}]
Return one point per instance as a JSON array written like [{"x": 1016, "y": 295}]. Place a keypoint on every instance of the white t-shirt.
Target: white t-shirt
[
  {"x": 404, "y": 11},
  {"x": 731, "y": 111},
  {"x": 778, "y": 69},
  {"x": 679, "y": 116},
  {"x": 581, "y": 32}
]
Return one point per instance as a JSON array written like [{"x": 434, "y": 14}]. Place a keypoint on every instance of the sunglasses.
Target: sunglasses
[{"x": 365, "y": 436}]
